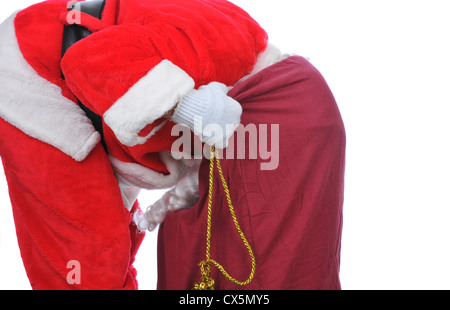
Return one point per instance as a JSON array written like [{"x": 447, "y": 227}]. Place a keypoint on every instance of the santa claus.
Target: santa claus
[{"x": 90, "y": 93}]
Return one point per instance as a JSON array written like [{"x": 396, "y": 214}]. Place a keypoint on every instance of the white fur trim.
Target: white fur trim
[
  {"x": 37, "y": 106},
  {"x": 146, "y": 101},
  {"x": 135, "y": 175},
  {"x": 268, "y": 57}
]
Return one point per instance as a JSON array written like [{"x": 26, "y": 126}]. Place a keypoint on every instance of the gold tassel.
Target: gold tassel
[{"x": 206, "y": 282}]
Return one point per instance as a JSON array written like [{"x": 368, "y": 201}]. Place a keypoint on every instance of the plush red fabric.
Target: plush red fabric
[
  {"x": 211, "y": 40},
  {"x": 66, "y": 210},
  {"x": 39, "y": 35},
  {"x": 292, "y": 215}
]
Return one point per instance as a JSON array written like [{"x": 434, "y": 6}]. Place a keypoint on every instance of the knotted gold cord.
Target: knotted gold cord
[{"x": 207, "y": 283}]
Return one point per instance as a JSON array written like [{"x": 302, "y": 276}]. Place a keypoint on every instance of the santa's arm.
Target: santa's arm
[{"x": 135, "y": 73}]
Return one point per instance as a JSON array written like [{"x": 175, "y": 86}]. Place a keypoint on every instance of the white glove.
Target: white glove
[{"x": 210, "y": 114}]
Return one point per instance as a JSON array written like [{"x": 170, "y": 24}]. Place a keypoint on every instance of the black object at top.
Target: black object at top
[{"x": 74, "y": 33}]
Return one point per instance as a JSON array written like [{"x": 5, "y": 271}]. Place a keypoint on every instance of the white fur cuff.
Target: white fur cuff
[{"x": 146, "y": 101}]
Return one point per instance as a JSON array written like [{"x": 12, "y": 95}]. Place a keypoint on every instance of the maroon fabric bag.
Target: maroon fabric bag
[{"x": 291, "y": 214}]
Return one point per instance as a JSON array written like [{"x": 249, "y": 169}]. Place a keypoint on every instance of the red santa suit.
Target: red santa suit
[{"x": 140, "y": 60}]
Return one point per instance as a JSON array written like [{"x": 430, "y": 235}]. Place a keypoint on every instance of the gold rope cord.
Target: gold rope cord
[{"x": 207, "y": 283}]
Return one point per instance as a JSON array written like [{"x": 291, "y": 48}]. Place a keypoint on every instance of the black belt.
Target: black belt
[{"x": 74, "y": 33}]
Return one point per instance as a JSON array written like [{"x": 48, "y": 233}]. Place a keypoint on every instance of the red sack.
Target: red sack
[{"x": 291, "y": 214}]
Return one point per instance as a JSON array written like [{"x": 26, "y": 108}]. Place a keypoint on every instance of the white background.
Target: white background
[{"x": 387, "y": 63}]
